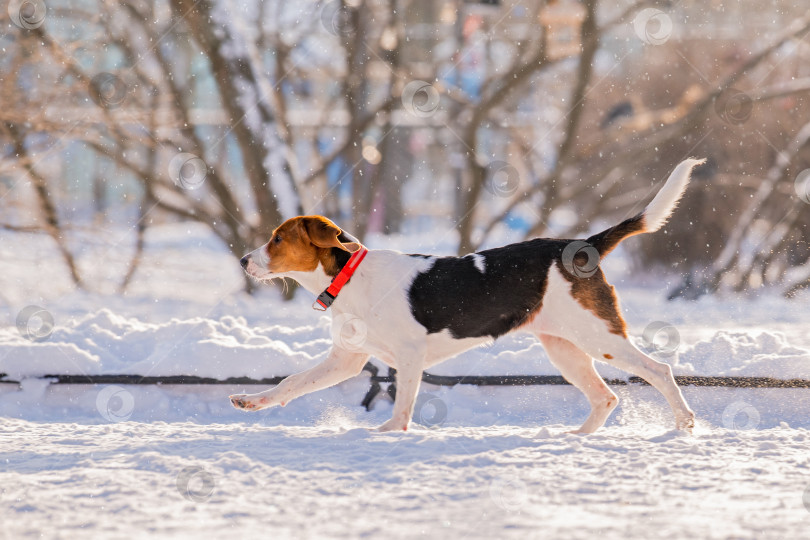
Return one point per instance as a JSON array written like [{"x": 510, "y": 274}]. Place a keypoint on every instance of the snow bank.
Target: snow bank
[
  {"x": 767, "y": 354},
  {"x": 108, "y": 343}
]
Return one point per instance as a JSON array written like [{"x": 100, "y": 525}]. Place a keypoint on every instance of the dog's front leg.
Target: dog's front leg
[
  {"x": 409, "y": 376},
  {"x": 339, "y": 365}
]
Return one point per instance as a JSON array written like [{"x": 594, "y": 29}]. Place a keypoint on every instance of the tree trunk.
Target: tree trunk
[
  {"x": 241, "y": 82},
  {"x": 52, "y": 224}
]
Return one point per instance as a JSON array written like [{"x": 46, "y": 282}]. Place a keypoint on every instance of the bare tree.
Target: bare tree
[{"x": 278, "y": 84}]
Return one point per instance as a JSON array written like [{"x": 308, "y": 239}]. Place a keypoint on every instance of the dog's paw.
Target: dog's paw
[
  {"x": 252, "y": 402},
  {"x": 392, "y": 425},
  {"x": 243, "y": 402},
  {"x": 686, "y": 422}
]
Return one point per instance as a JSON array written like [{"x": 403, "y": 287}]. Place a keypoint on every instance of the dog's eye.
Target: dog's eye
[{"x": 277, "y": 239}]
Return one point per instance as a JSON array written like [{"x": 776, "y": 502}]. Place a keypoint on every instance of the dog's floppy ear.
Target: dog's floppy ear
[{"x": 324, "y": 234}]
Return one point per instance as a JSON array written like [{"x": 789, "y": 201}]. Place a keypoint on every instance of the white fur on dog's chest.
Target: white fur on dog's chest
[{"x": 377, "y": 295}]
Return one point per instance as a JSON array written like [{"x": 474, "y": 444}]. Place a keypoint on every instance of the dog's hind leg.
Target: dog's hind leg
[
  {"x": 619, "y": 352},
  {"x": 338, "y": 366},
  {"x": 578, "y": 369},
  {"x": 585, "y": 312}
]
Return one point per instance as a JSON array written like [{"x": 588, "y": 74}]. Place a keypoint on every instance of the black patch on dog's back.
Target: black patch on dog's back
[{"x": 455, "y": 295}]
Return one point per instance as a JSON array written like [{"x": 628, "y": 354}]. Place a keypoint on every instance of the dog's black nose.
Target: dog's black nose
[{"x": 244, "y": 261}]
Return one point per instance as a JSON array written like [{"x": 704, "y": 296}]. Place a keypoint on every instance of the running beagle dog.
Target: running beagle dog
[{"x": 414, "y": 311}]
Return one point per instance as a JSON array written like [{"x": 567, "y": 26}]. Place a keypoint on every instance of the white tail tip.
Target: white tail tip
[{"x": 660, "y": 208}]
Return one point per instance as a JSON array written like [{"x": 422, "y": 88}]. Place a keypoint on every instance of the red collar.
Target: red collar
[{"x": 328, "y": 296}]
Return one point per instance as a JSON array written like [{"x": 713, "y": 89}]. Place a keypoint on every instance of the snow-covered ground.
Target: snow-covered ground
[
  {"x": 125, "y": 460},
  {"x": 335, "y": 479}
]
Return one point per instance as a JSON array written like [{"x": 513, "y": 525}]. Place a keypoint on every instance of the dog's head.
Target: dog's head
[{"x": 300, "y": 244}]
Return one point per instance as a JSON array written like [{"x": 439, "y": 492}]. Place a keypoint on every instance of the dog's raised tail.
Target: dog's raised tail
[{"x": 654, "y": 216}]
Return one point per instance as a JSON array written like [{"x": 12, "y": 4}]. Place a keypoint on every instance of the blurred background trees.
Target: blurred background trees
[{"x": 482, "y": 121}]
